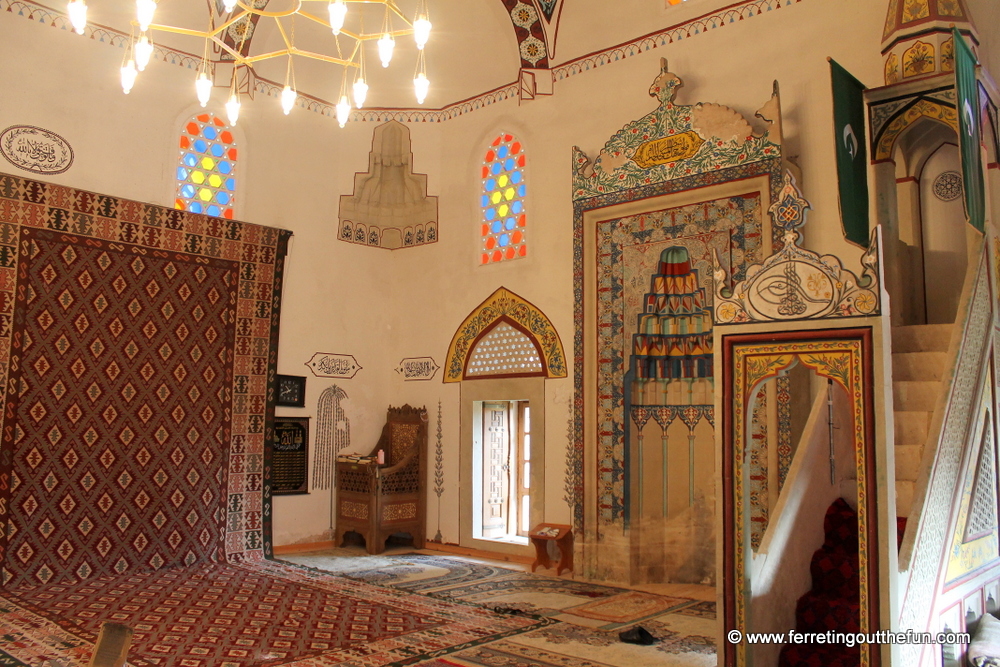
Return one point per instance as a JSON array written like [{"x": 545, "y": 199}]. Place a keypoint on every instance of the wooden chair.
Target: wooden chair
[{"x": 380, "y": 500}]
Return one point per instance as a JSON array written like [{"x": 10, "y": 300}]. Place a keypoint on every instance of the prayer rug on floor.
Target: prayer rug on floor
[
  {"x": 243, "y": 615},
  {"x": 684, "y": 628},
  {"x": 505, "y": 589}
]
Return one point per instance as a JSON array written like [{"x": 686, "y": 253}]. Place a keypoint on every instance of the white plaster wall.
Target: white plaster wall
[
  {"x": 291, "y": 173},
  {"x": 382, "y": 306}
]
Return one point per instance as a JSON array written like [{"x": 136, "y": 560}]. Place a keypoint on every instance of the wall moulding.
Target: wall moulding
[{"x": 732, "y": 14}]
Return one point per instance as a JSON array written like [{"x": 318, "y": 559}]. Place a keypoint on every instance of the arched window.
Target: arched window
[
  {"x": 206, "y": 171},
  {"x": 504, "y": 218}
]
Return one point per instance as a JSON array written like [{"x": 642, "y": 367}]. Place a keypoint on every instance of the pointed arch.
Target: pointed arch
[
  {"x": 524, "y": 319},
  {"x": 924, "y": 107}
]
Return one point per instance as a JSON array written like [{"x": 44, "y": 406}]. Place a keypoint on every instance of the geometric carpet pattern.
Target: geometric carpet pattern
[
  {"x": 120, "y": 454},
  {"x": 244, "y": 615},
  {"x": 137, "y": 353},
  {"x": 586, "y": 617}
]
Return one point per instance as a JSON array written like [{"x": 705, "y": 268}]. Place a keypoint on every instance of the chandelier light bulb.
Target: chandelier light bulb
[
  {"x": 204, "y": 87},
  {"x": 385, "y": 46},
  {"x": 78, "y": 15},
  {"x": 343, "y": 110},
  {"x": 360, "y": 92},
  {"x": 144, "y": 10},
  {"x": 338, "y": 11},
  {"x": 143, "y": 52},
  {"x": 129, "y": 72},
  {"x": 229, "y": 5},
  {"x": 288, "y": 99},
  {"x": 421, "y": 85},
  {"x": 421, "y": 30},
  {"x": 233, "y": 108}
]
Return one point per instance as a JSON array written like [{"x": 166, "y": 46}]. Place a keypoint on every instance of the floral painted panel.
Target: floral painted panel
[
  {"x": 731, "y": 226},
  {"x": 673, "y": 141}
]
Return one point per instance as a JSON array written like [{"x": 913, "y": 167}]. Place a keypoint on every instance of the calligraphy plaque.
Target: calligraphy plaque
[
  {"x": 417, "y": 368},
  {"x": 330, "y": 365},
  {"x": 665, "y": 150},
  {"x": 290, "y": 456},
  {"x": 36, "y": 150}
]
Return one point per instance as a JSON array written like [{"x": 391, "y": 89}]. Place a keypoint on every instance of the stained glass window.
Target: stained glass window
[
  {"x": 504, "y": 217},
  {"x": 206, "y": 169}
]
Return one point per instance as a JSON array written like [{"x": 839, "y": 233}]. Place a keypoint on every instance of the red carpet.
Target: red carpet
[
  {"x": 219, "y": 615},
  {"x": 833, "y": 603}
]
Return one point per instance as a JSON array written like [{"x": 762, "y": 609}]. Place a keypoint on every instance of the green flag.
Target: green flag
[
  {"x": 969, "y": 132},
  {"x": 852, "y": 154}
]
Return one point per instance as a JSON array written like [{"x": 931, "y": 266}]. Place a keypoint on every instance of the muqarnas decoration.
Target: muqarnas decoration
[
  {"x": 794, "y": 283},
  {"x": 390, "y": 207},
  {"x": 674, "y": 335}
]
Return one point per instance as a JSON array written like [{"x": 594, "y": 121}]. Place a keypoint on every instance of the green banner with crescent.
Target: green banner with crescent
[
  {"x": 852, "y": 153},
  {"x": 969, "y": 131}
]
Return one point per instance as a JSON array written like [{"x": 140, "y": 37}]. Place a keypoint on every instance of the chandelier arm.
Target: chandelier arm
[
  {"x": 238, "y": 58},
  {"x": 392, "y": 33},
  {"x": 226, "y": 25},
  {"x": 284, "y": 35},
  {"x": 249, "y": 9},
  {"x": 250, "y": 60},
  {"x": 395, "y": 10}
]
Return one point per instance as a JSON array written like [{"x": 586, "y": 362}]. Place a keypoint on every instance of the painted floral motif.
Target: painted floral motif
[
  {"x": 838, "y": 359},
  {"x": 892, "y": 69},
  {"x": 505, "y": 304},
  {"x": 948, "y": 55},
  {"x": 523, "y": 15},
  {"x": 950, "y": 8},
  {"x": 548, "y": 7},
  {"x": 794, "y": 283},
  {"x": 918, "y": 59},
  {"x": 650, "y": 141},
  {"x": 730, "y": 226},
  {"x": 925, "y": 108},
  {"x": 532, "y": 50},
  {"x": 890, "y": 18},
  {"x": 915, "y": 9}
]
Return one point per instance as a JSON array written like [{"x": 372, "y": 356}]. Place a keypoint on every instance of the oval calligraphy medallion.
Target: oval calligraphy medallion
[{"x": 36, "y": 150}]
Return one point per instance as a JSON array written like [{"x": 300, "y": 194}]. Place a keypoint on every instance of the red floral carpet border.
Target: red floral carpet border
[{"x": 243, "y": 615}]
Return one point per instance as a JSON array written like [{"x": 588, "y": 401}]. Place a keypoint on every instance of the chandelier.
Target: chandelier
[{"x": 348, "y": 42}]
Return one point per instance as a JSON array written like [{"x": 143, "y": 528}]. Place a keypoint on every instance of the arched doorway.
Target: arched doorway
[{"x": 502, "y": 354}]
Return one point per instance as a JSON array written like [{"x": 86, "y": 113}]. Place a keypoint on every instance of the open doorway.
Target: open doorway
[
  {"x": 503, "y": 463},
  {"x": 502, "y": 470}
]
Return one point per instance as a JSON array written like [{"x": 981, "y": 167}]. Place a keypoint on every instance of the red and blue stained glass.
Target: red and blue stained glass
[
  {"x": 504, "y": 217},
  {"x": 206, "y": 171}
]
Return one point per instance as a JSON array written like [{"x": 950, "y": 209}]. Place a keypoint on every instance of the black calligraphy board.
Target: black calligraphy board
[{"x": 290, "y": 456}]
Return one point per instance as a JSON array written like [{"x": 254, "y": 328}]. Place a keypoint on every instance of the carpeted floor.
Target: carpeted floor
[
  {"x": 218, "y": 615},
  {"x": 589, "y": 616},
  {"x": 343, "y": 608}
]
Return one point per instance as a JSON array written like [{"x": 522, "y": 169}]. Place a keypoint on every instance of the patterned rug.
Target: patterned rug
[
  {"x": 246, "y": 615},
  {"x": 590, "y": 615}
]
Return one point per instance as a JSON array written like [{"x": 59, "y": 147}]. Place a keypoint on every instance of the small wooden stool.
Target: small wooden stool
[{"x": 562, "y": 535}]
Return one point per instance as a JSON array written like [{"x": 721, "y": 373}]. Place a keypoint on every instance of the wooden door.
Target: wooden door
[{"x": 496, "y": 468}]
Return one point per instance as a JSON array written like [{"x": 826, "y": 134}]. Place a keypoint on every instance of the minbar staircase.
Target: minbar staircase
[
  {"x": 918, "y": 360},
  {"x": 919, "y": 353}
]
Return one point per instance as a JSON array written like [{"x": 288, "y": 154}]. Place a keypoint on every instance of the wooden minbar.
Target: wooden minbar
[{"x": 559, "y": 533}]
